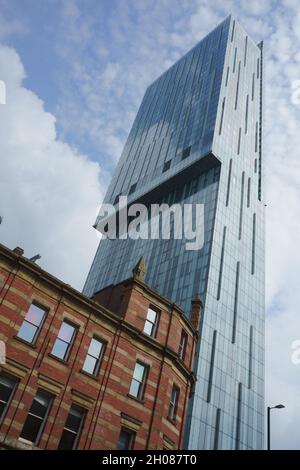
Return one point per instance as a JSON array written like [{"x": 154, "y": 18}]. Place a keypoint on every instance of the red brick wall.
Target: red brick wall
[{"x": 105, "y": 397}]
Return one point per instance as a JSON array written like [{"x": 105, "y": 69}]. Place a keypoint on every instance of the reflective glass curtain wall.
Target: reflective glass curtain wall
[{"x": 197, "y": 138}]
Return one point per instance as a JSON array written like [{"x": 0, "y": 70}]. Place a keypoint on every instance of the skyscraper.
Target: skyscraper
[{"x": 197, "y": 138}]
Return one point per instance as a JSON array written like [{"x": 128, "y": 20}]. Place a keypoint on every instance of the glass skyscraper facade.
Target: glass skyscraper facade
[{"x": 197, "y": 138}]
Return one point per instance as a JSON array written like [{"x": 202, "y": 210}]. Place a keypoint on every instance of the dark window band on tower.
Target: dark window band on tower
[
  {"x": 237, "y": 86},
  {"x": 220, "y": 37},
  {"x": 227, "y": 75},
  {"x": 250, "y": 357},
  {"x": 249, "y": 192},
  {"x": 233, "y": 28},
  {"x": 222, "y": 115},
  {"x": 211, "y": 368},
  {"x": 132, "y": 188},
  {"x": 245, "y": 54},
  {"x": 217, "y": 430},
  {"x": 186, "y": 152},
  {"x": 239, "y": 141},
  {"x": 211, "y": 63},
  {"x": 234, "y": 60},
  {"x": 236, "y": 298},
  {"x": 246, "y": 114},
  {"x": 255, "y": 165},
  {"x": 256, "y": 136},
  {"x": 238, "y": 418},
  {"x": 242, "y": 205},
  {"x": 229, "y": 182},
  {"x": 253, "y": 244},
  {"x": 253, "y": 85},
  {"x": 221, "y": 264},
  {"x": 166, "y": 165},
  {"x": 257, "y": 72}
]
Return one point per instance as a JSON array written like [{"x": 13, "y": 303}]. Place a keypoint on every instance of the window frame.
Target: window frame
[
  {"x": 143, "y": 383},
  {"x": 11, "y": 396},
  {"x": 182, "y": 347},
  {"x": 38, "y": 328},
  {"x": 78, "y": 433},
  {"x": 132, "y": 437},
  {"x": 173, "y": 406},
  {"x": 70, "y": 344},
  {"x": 98, "y": 360},
  {"x": 156, "y": 322},
  {"x": 43, "y": 419}
]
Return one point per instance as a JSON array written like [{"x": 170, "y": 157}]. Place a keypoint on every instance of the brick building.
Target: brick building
[{"x": 112, "y": 372}]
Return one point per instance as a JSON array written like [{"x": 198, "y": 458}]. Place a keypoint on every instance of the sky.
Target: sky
[{"x": 75, "y": 73}]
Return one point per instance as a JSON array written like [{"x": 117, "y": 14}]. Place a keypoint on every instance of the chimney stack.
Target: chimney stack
[{"x": 196, "y": 311}]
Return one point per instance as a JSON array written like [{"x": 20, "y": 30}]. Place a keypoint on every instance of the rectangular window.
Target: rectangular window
[
  {"x": 255, "y": 165},
  {"x": 249, "y": 192},
  {"x": 222, "y": 115},
  {"x": 126, "y": 439},
  {"x": 253, "y": 244},
  {"x": 138, "y": 382},
  {"x": 182, "y": 344},
  {"x": 166, "y": 166},
  {"x": 227, "y": 75},
  {"x": 245, "y": 54},
  {"x": 72, "y": 429},
  {"x": 64, "y": 341},
  {"x": 93, "y": 357},
  {"x": 236, "y": 298},
  {"x": 211, "y": 367},
  {"x": 151, "y": 322},
  {"x": 37, "y": 415},
  {"x": 239, "y": 141},
  {"x": 186, "y": 152},
  {"x": 32, "y": 323},
  {"x": 242, "y": 205},
  {"x": 237, "y": 86},
  {"x": 257, "y": 72},
  {"x": 8, "y": 385},
  {"x": 253, "y": 85},
  {"x": 173, "y": 403},
  {"x": 246, "y": 114},
  {"x": 132, "y": 188}
]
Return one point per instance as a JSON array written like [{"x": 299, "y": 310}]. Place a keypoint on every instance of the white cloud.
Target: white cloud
[
  {"x": 48, "y": 191},
  {"x": 139, "y": 41}
]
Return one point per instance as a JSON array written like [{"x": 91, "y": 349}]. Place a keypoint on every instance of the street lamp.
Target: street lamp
[{"x": 279, "y": 407}]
